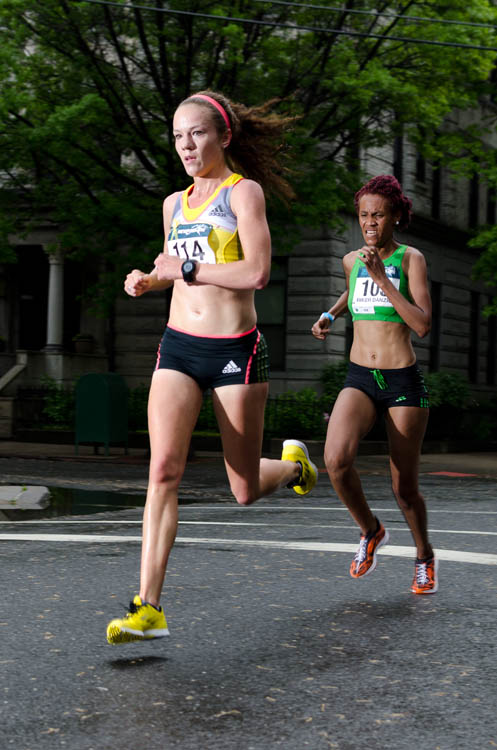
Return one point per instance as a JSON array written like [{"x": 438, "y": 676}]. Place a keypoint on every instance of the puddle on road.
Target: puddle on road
[
  {"x": 69, "y": 501},
  {"x": 77, "y": 502}
]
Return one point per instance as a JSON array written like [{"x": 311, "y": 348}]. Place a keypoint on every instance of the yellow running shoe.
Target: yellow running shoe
[
  {"x": 294, "y": 450},
  {"x": 141, "y": 622}
]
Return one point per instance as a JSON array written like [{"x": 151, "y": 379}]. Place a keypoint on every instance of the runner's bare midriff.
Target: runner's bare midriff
[
  {"x": 212, "y": 311},
  {"x": 382, "y": 345}
]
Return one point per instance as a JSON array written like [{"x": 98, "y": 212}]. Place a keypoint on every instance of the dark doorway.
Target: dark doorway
[
  {"x": 32, "y": 291},
  {"x": 73, "y": 285}
]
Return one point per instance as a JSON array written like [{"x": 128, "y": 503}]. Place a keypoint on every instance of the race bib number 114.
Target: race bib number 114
[{"x": 191, "y": 241}]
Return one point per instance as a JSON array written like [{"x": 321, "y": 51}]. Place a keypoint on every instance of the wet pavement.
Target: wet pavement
[
  {"x": 272, "y": 644},
  {"x": 58, "y": 466}
]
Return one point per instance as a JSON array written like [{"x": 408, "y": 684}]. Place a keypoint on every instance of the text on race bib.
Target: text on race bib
[
  {"x": 191, "y": 241},
  {"x": 368, "y": 295}
]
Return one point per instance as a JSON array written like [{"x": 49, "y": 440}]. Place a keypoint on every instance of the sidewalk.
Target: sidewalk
[{"x": 481, "y": 463}]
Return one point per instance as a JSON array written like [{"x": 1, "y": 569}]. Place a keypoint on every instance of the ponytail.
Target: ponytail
[{"x": 257, "y": 142}]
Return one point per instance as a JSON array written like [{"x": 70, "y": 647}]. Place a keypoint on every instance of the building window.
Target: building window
[
  {"x": 271, "y": 312},
  {"x": 353, "y": 152},
  {"x": 435, "y": 192},
  {"x": 30, "y": 287},
  {"x": 398, "y": 157},
  {"x": 474, "y": 337},
  {"x": 491, "y": 348},
  {"x": 420, "y": 168},
  {"x": 474, "y": 201},
  {"x": 490, "y": 206},
  {"x": 349, "y": 336},
  {"x": 436, "y": 314}
]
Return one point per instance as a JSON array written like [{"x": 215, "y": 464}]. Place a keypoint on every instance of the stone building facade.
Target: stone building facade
[
  {"x": 462, "y": 340},
  {"x": 40, "y": 311}
]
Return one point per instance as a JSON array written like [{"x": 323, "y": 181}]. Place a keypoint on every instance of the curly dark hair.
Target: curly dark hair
[
  {"x": 388, "y": 187},
  {"x": 256, "y": 143}
]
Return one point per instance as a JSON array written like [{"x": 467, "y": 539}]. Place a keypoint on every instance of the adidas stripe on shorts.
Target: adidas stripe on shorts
[{"x": 215, "y": 361}]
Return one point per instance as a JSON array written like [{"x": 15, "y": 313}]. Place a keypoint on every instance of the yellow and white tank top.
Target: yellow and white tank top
[{"x": 208, "y": 233}]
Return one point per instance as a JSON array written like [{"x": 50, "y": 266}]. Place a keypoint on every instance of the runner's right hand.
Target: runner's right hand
[
  {"x": 137, "y": 283},
  {"x": 321, "y": 328}
]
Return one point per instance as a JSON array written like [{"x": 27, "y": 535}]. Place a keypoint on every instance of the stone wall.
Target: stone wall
[
  {"x": 139, "y": 325},
  {"x": 315, "y": 280}
]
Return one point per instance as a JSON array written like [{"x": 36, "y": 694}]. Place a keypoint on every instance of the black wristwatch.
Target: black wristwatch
[{"x": 188, "y": 270}]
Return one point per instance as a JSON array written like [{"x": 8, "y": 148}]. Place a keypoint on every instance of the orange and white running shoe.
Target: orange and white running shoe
[
  {"x": 425, "y": 576},
  {"x": 364, "y": 561}
]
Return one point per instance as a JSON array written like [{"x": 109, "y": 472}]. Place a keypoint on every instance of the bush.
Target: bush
[
  {"x": 137, "y": 411},
  {"x": 332, "y": 378},
  {"x": 297, "y": 414},
  {"x": 480, "y": 421},
  {"x": 447, "y": 389},
  {"x": 207, "y": 421},
  {"x": 58, "y": 404}
]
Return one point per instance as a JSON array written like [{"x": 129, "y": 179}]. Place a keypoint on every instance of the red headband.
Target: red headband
[{"x": 218, "y": 106}]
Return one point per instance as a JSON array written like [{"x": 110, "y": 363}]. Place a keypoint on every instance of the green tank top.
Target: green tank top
[{"x": 366, "y": 300}]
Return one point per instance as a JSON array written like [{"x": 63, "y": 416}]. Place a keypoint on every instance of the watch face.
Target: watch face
[{"x": 188, "y": 266}]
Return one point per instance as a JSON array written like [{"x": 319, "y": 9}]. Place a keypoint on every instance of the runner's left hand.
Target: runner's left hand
[
  {"x": 168, "y": 267},
  {"x": 371, "y": 259}
]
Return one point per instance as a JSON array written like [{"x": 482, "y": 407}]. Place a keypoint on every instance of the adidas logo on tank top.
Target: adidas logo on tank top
[
  {"x": 217, "y": 211},
  {"x": 231, "y": 367}
]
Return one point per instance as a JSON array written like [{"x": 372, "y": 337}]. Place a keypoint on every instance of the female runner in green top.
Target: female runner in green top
[{"x": 388, "y": 298}]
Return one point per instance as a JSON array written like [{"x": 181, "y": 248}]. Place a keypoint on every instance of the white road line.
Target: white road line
[
  {"x": 387, "y": 509},
  {"x": 234, "y": 508},
  {"x": 326, "y": 526},
  {"x": 68, "y": 538},
  {"x": 241, "y": 523},
  {"x": 479, "y": 558}
]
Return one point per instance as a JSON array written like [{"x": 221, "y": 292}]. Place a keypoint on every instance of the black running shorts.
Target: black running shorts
[
  {"x": 386, "y": 388},
  {"x": 215, "y": 361}
]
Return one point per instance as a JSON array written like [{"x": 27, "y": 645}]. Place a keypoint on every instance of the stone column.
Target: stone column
[{"x": 55, "y": 314}]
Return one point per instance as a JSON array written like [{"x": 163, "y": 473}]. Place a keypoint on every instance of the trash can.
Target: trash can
[{"x": 101, "y": 410}]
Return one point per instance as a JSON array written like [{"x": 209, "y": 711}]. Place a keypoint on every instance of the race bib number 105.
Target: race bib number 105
[
  {"x": 191, "y": 241},
  {"x": 368, "y": 295}
]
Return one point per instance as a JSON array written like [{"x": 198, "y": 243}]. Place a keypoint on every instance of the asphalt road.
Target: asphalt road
[{"x": 272, "y": 644}]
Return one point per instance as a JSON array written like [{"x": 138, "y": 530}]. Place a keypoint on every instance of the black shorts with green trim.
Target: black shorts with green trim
[
  {"x": 217, "y": 360},
  {"x": 386, "y": 388}
]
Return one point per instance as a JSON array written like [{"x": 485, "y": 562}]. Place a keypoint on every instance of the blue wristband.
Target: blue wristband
[{"x": 327, "y": 315}]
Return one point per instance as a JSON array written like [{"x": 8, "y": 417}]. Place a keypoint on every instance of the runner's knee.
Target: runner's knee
[
  {"x": 337, "y": 462},
  {"x": 244, "y": 494},
  {"x": 406, "y": 494},
  {"x": 167, "y": 471}
]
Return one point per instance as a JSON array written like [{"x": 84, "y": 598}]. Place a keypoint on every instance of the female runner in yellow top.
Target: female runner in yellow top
[
  {"x": 388, "y": 297},
  {"x": 216, "y": 254}
]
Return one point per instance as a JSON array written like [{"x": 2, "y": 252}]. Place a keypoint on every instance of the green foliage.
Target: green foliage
[
  {"x": 485, "y": 267},
  {"x": 137, "y": 411},
  {"x": 297, "y": 414},
  {"x": 58, "y": 404},
  {"x": 480, "y": 425},
  {"x": 88, "y": 92},
  {"x": 448, "y": 389},
  {"x": 206, "y": 419},
  {"x": 332, "y": 378}
]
